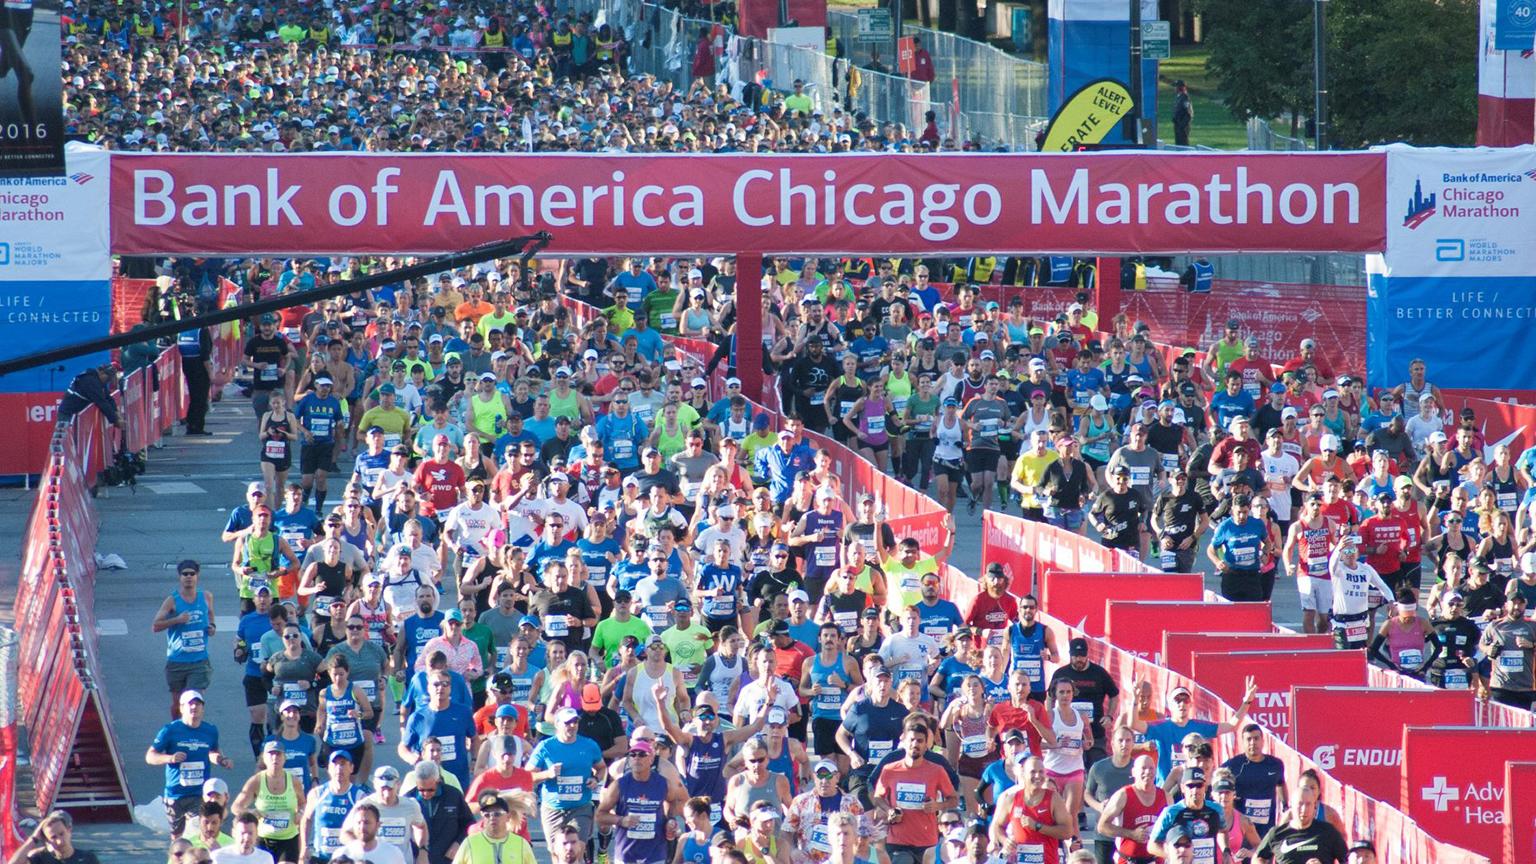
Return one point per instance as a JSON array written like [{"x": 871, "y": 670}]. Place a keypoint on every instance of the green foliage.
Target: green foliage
[
  {"x": 1402, "y": 70},
  {"x": 1260, "y": 54},
  {"x": 1398, "y": 70}
]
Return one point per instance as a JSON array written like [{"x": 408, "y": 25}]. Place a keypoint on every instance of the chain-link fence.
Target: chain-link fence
[
  {"x": 1001, "y": 98},
  {"x": 1262, "y": 136}
]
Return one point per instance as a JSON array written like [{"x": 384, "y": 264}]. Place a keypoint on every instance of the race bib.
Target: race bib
[
  {"x": 274, "y": 821},
  {"x": 391, "y": 440},
  {"x": 1317, "y": 567},
  {"x": 320, "y": 427},
  {"x": 876, "y": 424},
  {"x": 899, "y": 404},
  {"x": 1034, "y": 667},
  {"x": 194, "y": 640},
  {"x": 1356, "y": 631},
  {"x": 658, "y": 616},
  {"x": 269, "y": 373},
  {"x": 668, "y": 322},
  {"x": 1245, "y": 557},
  {"x": 193, "y": 773},
  {"x": 1455, "y": 679},
  {"x": 1258, "y": 809},
  {"x": 1205, "y": 850},
  {"x": 848, "y": 622},
  {"x": 1083, "y": 708},
  {"x": 911, "y": 796},
  {"x": 690, "y": 675},
  {"x": 570, "y": 787},
  {"x": 329, "y": 839},
  {"x": 1168, "y": 559},
  {"x": 879, "y": 749},
  {"x": 988, "y": 428},
  {"x": 275, "y": 448},
  {"x": 1411, "y": 658},
  {"x": 501, "y": 656},
  {"x": 293, "y": 690},
  {"x": 597, "y": 575},
  {"x": 975, "y": 746},
  {"x": 623, "y": 449},
  {"x": 818, "y": 399},
  {"x": 556, "y": 627},
  {"x": 450, "y": 747},
  {"x": 826, "y": 556},
  {"x": 1506, "y": 501},
  {"x": 1170, "y": 462},
  {"x": 720, "y": 606},
  {"x": 829, "y": 699},
  {"x": 392, "y": 830},
  {"x": 297, "y": 773},
  {"x": 1031, "y": 853},
  {"x": 819, "y": 842},
  {"x": 1513, "y": 662},
  {"x": 844, "y": 408},
  {"x": 1140, "y": 476},
  {"x": 716, "y": 812},
  {"x": 645, "y": 828}
]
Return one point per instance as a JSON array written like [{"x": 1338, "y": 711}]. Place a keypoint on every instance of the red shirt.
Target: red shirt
[
  {"x": 1253, "y": 370},
  {"x": 1221, "y": 455},
  {"x": 1379, "y": 530},
  {"x": 440, "y": 482},
  {"x": 992, "y": 613},
  {"x": 1413, "y": 532},
  {"x": 907, "y": 789},
  {"x": 495, "y": 781},
  {"x": 485, "y": 719},
  {"x": 788, "y": 662},
  {"x": 1006, "y": 716},
  {"x": 1340, "y": 515}
]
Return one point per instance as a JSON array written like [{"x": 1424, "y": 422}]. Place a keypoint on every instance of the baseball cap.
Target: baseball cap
[
  {"x": 777, "y": 716},
  {"x": 1098, "y": 402},
  {"x": 640, "y": 745},
  {"x": 1437, "y": 437},
  {"x": 291, "y": 703},
  {"x": 779, "y": 628},
  {"x": 508, "y": 710},
  {"x": 190, "y": 696},
  {"x": 386, "y": 775},
  {"x": 1178, "y": 835},
  {"x": 1176, "y": 692},
  {"x": 272, "y": 746},
  {"x": 565, "y": 715},
  {"x": 1077, "y": 647},
  {"x": 216, "y": 786},
  {"x": 799, "y": 595},
  {"x": 1193, "y": 777},
  {"x": 337, "y": 755},
  {"x": 528, "y": 621},
  {"x": 256, "y": 486},
  {"x": 454, "y": 615},
  {"x": 1329, "y": 442},
  {"x": 591, "y": 697}
]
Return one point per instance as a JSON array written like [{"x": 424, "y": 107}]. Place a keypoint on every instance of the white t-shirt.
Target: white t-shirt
[
  {"x": 229, "y": 855},
  {"x": 1279, "y": 471},
  {"x": 381, "y": 854},
  {"x": 472, "y": 524},
  {"x": 752, "y": 697},
  {"x": 394, "y": 829}
]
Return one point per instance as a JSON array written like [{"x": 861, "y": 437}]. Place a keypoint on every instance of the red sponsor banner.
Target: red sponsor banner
[
  {"x": 1453, "y": 781},
  {"x": 1274, "y": 673},
  {"x": 1008, "y": 540},
  {"x": 1079, "y": 598},
  {"x": 1356, "y": 733},
  {"x": 30, "y": 417},
  {"x": 1138, "y": 626},
  {"x": 1519, "y": 812},
  {"x": 951, "y": 204},
  {"x": 1180, "y": 648}
]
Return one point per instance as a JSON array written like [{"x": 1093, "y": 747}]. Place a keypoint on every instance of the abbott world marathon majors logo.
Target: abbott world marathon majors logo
[
  {"x": 1484, "y": 200},
  {"x": 1479, "y": 804}
]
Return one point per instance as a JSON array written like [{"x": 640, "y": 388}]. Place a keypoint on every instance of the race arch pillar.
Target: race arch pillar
[{"x": 749, "y": 325}]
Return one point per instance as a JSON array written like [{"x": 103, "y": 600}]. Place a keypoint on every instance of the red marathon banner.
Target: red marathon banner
[
  {"x": 1356, "y": 733},
  {"x": 950, "y": 204},
  {"x": 1079, "y": 598},
  {"x": 1138, "y": 626},
  {"x": 1519, "y": 811},
  {"x": 1453, "y": 781},
  {"x": 1180, "y": 648},
  {"x": 1274, "y": 673}
]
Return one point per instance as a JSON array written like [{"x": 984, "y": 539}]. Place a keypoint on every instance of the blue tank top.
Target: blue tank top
[
  {"x": 695, "y": 852},
  {"x": 824, "y": 555},
  {"x": 341, "y": 728},
  {"x": 828, "y": 703},
  {"x": 646, "y": 842},
  {"x": 784, "y": 764},
  {"x": 358, "y": 538},
  {"x": 330, "y": 815},
  {"x": 1026, "y": 648},
  {"x": 522, "y": 684},
  {"x": 725, "y": 580},
  {"x": 188, "y": 643},
  {"x": 595, "y": 556},
  {"x": 703, "y": 774},
  {"x": 997, "y": 691}
]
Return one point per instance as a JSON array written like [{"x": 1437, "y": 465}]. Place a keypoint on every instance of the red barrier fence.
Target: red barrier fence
[
  {"x": 1079, "y": 597},
  {"x": 1453, "y": 781},
  {"x": 1029, "y": 548},
  {"x": 128, "y": 296},
  {"x": 75, "y": 759},
  {"x": 1225, "y": 673},
  {"x": 1179, "y": 649}
]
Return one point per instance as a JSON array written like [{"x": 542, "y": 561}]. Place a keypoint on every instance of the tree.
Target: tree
[
  {"x": 1261, "y": 55},
  {"x": 1398, "y": 70},
  {"x": 1402, "y": 70}
]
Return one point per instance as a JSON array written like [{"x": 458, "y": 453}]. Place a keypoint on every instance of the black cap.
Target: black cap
[
  {"x": 1193, "y": 777},
  {"x": 1362, "y": 846},
  {"x": 501, "y": 682},
  {"x": 1077, "y": 647},
  {"x": 779, "y": 628},
  {"x": 492, "y": 801},
  {"x": 189, "y": 564}
]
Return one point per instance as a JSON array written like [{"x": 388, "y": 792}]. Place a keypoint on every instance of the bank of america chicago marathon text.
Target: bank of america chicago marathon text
[{"x": 757, "y": 198}]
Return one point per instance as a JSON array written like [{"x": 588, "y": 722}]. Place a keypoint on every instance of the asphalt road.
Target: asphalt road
[{"x": 177, "y": 511}]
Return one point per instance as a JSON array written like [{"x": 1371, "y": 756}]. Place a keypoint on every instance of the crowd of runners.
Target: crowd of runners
[
  {"x": 513, "y": 573},
  {"x": 514, "y": 554}
]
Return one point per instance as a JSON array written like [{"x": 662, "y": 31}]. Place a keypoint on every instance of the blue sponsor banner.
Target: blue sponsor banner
[
  {"x": 38, "y": 315},
  {"x": 1474, "y": 332},
  {"x": 1514, "y": 25}
]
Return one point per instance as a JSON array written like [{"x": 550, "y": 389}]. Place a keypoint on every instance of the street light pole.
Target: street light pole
[
  {"x": 1319, "y": 77},
  {"x": 1133, "y": 117}
]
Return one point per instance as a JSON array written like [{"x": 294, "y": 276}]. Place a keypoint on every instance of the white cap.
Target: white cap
[
  {"x": 1098, "y": 402},
  {"x": 1075, "y": 307},
  {"x": 1329, "y": 442},
  {"x": 733, "y": 382},
  {"x": 589, "y": 354},
  {"x": 825, "y": 493},
  {"x": 1236, "y": 422},
  {"x": 699, "y": 382},
  {"x": 803, "y": 597},
  {"x": 1036, "y": 363},
  {"x": 256, "y": 486},
  {"x": 1528, "y": 562},
  {"x": 695, "y": 273},
  {"x": 1437, "y": 437},
  {"x": 1290, "y": 411},
  {"x": 988, "y": 355},
  {"x": 1330, "y": 393}
]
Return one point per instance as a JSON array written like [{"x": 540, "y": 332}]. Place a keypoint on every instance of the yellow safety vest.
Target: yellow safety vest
[{"x": 496, "y": 40}]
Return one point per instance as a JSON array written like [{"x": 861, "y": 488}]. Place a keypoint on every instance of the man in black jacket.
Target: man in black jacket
[
  {"x": 91, "y": 387},
  {"x": 444, "y": 808}
]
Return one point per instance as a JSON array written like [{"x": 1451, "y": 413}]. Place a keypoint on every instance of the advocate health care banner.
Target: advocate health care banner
[{"x": 1457, "y": 285}]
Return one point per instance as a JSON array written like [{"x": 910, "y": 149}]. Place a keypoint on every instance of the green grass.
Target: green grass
[{"x": 1213, "y": 126}]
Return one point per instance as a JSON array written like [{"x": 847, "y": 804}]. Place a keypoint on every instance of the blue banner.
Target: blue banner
[
  {"x": 1473, "y": 332},
  {"x": 1514, "y": 25},
  {"x": 36, "y": 316}
]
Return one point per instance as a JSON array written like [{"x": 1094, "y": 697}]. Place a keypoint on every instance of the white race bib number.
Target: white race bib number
[
  {"x": 1455, "y": 679},
  {"x": 879, "y": 749},
  {"x": 974, "y": 746},
  {"x": 876, "y": 424},
  {"x": 570, "y": 787},
  {"x": 1355, "y": 631},
  {"x": 1513, "y": 661},
  {"x": 275, "y": 821},
  {"x": 450, "y": 746},
  {"x": 275, "y": 449},
  {"x": 911, "y": 796},
  {"x": 293, "y": 691},
  {"x": 556, "y": 627},
  {"x": 645, "y": 828},
  {"x": 826, "y": 556},
  {"x": 1031, "y": 853},
  {"x": 193, "y": 773},
  {"x": 1411, "y": 658},
  {"x": 1140, "y": 476}
]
